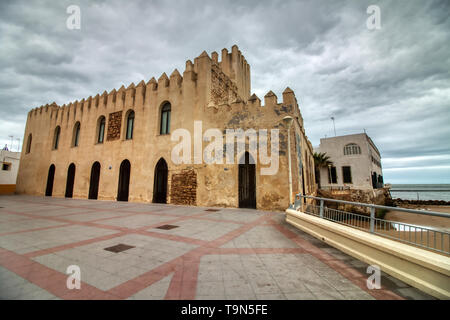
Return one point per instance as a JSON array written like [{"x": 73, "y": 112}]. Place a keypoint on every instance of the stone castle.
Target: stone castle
[{"x": 117, "y": 145}]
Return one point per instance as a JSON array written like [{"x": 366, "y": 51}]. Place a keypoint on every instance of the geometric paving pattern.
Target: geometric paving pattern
[{"x": 223, "y": 253}]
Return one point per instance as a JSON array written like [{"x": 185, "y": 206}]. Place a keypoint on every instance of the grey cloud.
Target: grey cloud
[{"x": 394, "y": 82}]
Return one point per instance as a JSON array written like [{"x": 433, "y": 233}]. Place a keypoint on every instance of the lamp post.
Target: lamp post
[
  {"x": 288, "y": 122},
  {"x": 331, "y": 178}
]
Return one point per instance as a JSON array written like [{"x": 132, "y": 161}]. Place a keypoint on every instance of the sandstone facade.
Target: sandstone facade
[{"x": 212, "y": 91}]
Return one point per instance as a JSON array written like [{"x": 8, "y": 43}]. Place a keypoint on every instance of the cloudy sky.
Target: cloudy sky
[{"x": 393, "y": 82}]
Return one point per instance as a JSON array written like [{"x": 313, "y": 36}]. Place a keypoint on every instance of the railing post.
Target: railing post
[
  {"x": 298, "y": 202},
  {"x": 372, "y": 220},
  {"x": 321, "y": 208}
]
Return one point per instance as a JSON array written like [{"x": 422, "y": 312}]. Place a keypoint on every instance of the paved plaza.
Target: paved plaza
[{"x": 174, "y": 252}]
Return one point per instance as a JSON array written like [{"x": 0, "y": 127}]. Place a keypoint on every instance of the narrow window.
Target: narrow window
[
  {"x": 101, "y": 130},
  {"x": 165, "y": 119},
  {"x": 28, "y": 149},
  {"x": 76, "y": 135},
  {"x": 56, "y": 137},
  {"x": 130, "y": 124},
  {"x": 347, "y": 174}
]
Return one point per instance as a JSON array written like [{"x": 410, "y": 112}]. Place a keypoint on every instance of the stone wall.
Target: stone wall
[
  {"x": 223, "y": 90},
  {"x": 183, "y": 188},
  {"x": 376, "y": 196}
]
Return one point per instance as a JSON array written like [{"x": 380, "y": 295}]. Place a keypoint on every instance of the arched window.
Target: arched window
[
  {"x": 101, "y": 129},
  {"x": 165, "y": 119},
  {"x": 56, "y": 137},
  {"x": 28, "y": 149},
  {"x": 352, "y": 148},
  {"x": 130, "y": 125},
  {"x": 76, "y": 135}
]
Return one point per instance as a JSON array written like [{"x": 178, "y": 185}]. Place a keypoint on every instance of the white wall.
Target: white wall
[
  {"x": 9, "y": 176},
  {"x": 361, "y": 164}
]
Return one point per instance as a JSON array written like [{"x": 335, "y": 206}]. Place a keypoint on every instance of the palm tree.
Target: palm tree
[{"x": 320, "y": 160}]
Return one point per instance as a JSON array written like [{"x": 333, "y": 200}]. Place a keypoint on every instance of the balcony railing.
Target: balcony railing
[{"x": 421, "y": 236}]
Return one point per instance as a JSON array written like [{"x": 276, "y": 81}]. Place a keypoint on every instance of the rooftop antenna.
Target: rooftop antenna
[{"x": 334, "y": 126}]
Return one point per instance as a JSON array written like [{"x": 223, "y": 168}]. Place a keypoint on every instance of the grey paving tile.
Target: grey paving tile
[
  {"x": 238, "y": 288},
  {"x": 208, "y": 288},
  {"x": 264, "y": 285}
]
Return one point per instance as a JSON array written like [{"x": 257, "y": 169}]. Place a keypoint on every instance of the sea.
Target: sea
[{"x": 421, "y": 191}]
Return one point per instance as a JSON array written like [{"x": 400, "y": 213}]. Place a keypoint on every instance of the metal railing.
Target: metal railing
[{"x": 421, "y": 236}]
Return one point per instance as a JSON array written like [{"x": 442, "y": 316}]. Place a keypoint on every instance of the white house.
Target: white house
[
  {"x": 356, "y": 163},
  {"x": 8, "y": 173}
]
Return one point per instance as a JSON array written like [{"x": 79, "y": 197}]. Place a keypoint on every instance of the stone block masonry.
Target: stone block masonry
[
  {"x": 184, "y": 188},
  {"x": 114, "y": 125}
]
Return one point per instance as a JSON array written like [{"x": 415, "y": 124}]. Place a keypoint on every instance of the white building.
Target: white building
[
  {"x": 8, "y": 173},
  {"x": 356, "y": 163}
]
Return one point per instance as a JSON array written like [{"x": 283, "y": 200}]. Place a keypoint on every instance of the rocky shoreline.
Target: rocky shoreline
[{"x": 399, "y": 201}]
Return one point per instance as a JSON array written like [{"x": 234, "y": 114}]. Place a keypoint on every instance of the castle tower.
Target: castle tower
[{"x": 237, "y": 69}]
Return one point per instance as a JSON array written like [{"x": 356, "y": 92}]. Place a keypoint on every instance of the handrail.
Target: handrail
[
  {"x": 421, "y": 236},
  {"x": 376, "y": 206}
]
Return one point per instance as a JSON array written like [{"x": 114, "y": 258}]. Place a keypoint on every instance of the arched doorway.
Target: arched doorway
[
  {"x": 70, "y": 180},
  {"x": 95, "y": 179},
  {"x": 247, "y": 184},
  {"x": 50, "y": 179},
  {"x": 124, "y": 181},
  {"x": 160, "y": 182}
]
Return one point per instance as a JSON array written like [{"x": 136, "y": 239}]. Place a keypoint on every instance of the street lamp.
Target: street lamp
[
  {"x": 288, "y": 122},
  {"x": 331, "y": 178}
]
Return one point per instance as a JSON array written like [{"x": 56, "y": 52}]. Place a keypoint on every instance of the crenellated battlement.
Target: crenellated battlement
[
  {"x": 124, "y": 97},
  {"x": 232, "y": 70},
  {"x": 226, "y": 81},
  {"x": 271, "y": 107}
]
